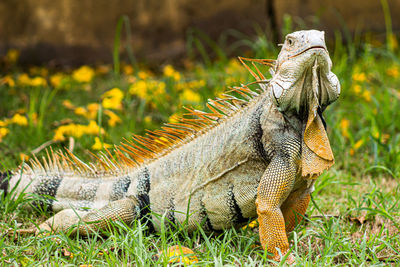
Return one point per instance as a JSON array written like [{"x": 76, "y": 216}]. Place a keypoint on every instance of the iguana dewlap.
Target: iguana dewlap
[{"x": 257, "y": 156}]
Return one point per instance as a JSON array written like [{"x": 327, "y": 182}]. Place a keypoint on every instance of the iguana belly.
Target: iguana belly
[{"x": 220, "y": 201}]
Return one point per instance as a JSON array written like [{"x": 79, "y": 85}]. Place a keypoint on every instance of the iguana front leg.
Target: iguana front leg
[
  {"x": 275, "y": 185},
  {"x": 294, "y": 209}
]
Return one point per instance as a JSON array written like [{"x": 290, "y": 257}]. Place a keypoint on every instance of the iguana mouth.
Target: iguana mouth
[{"x": 312, "y": 47}]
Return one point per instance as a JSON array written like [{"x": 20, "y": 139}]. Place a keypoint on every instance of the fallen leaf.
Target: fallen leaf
[
  {"x": 174, "y": 255},
  {"x": 359, "y": 219}
]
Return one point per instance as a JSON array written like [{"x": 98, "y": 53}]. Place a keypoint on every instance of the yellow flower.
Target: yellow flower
[
  {"x": 93, "y": 128},
  {"x": 113, "y": 99},
  {"x": 3, "y": 123},
  {"x": 375, "y": 132},
  {"x": 147, "y": 119},
  {"x": 190, "y": 96},
  {"x": 24, "y": 79},
  {"x": 19, "y": 119},
  {"x": 8, "y": 80},
  {"x": 112, "y": 103},
  {"x": 174, "y": 255},
  {"x": 358, "y": 144},
  {"x": 139, "y": 88},
  {"x": 3, "y": 133},
  {"x": 59, "y": 134},
  {"x": 92, "y": 108},
  {"x": 113, "y": 118},
  {"x": 359, "y": 77},
  {"x": 127, "y": 69},
  {"x": 393, "y": 72},
  {"x": 169, "y": 71},
  {"x": 23, "y": 157},
  {"x": 34, "y": 118},
  {"x": 148, "y": 89},
  {"x": 144, "y": 75},
  {"x": 367, "y": 95},
  {"x": 12, "y": 56},
  {"x": 80, "y": 111},
  {"x": 114, "y": 93},
  {"x": 77, "y": 130},
  {"x": 344, "y": 127},
  {"x": 357, "y": 89},
  {"x": 83, "y": 74},
  {"x": 38, "y": 81},
  {"x": 98, "y": 145},
  {"x": 159, "y": 88},
  {"x": 56, "y": 79},
  {"x": 66, "y": 103},
  {"x": 176, "y": 76},
  {"x": 103, "y": 69},
  {"x": 252, "y": 224}
]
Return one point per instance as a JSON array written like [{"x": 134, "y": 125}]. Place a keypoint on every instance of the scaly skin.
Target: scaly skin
[{"x": 261, "y": 159}]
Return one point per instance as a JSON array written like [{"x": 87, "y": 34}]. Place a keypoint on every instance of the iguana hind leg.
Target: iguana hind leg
[{"x": 274, "y": 187}]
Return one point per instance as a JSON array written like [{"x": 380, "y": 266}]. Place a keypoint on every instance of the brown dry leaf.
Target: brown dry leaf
[
  {"x": 61, "y": 122},
  {"x": 67, "y": 253},
  {"x": 4, "y": 255},
  {"x": 359, "y": 219},
  {"x": 389, "y": 258}
]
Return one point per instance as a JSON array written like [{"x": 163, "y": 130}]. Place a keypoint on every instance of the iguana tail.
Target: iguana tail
[
  {"x": 59, "y": 190},
  {"x": 4, "y": 181}
]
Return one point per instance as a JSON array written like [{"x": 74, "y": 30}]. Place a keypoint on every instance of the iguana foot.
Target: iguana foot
[{"x": 289, "y": 260}]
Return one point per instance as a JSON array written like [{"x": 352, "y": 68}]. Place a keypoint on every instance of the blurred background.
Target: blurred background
[{"x": 83, "y": 32}]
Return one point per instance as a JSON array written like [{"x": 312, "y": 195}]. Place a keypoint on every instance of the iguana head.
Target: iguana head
[
  {"x": 304, "y": 84},
  {"x": 303, "y": 71}
]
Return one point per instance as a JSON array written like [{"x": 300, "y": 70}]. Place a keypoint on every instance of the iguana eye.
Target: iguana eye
[{"x": 290, "y": 41}]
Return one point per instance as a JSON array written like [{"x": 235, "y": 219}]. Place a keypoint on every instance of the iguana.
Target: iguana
[{"x": 253, "y": 156}]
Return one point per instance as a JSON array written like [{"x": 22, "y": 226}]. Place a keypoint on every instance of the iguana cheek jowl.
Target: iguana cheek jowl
[{"x": 277, "y": 90}]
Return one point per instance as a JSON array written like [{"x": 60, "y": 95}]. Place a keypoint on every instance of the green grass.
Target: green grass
[{"x": 352, "y": 220}]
